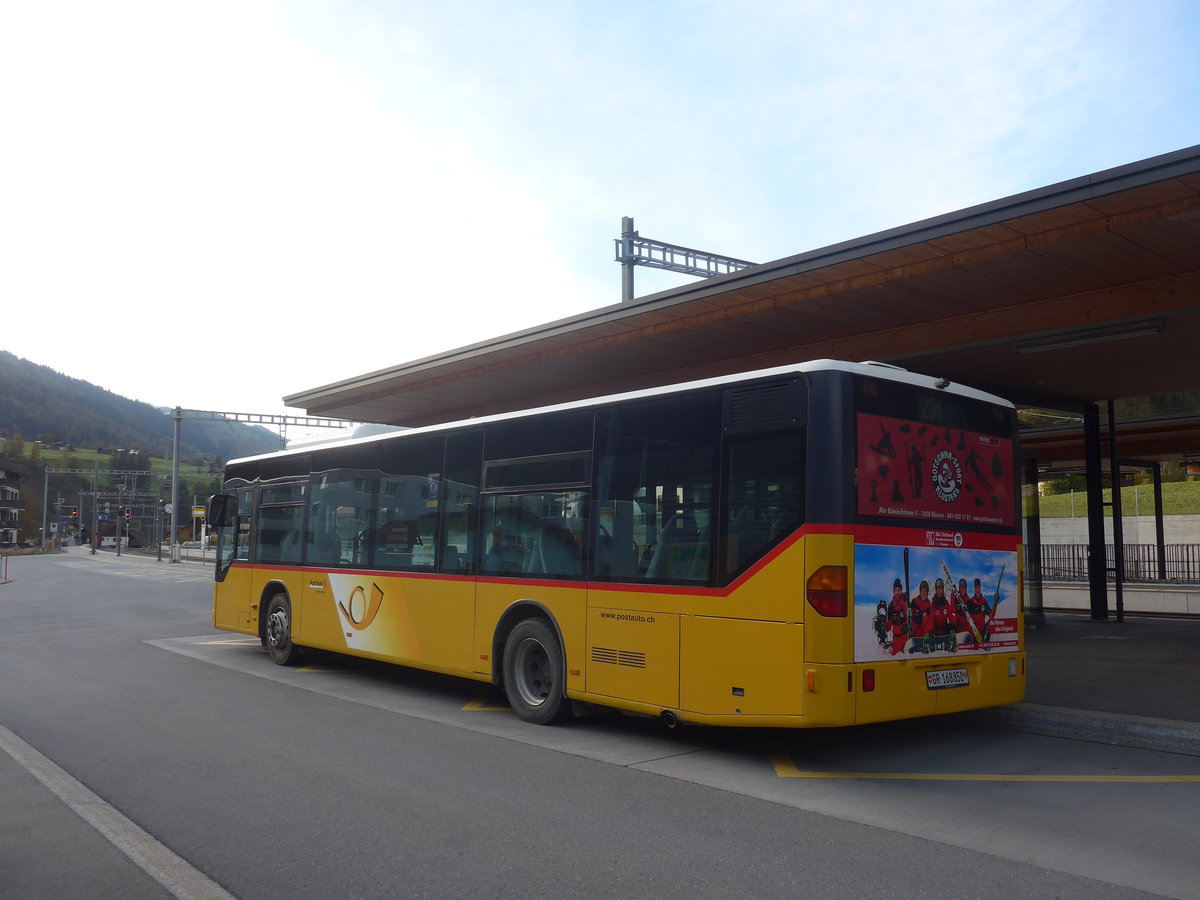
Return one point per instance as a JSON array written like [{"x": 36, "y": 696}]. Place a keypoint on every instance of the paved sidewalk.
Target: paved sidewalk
[{"x": 1135, "y": 683}]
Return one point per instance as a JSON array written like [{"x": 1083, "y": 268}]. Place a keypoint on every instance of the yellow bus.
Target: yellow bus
[{"x": 820, "y": 544}]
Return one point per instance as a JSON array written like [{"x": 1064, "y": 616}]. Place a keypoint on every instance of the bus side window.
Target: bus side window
[
  {"x": 339, "y": 512},
  {"x": 403, "y": 533},
  {"x": 538, "y": 534},
  {"x": 681, "y": 550},
  {"x": 280, "y": 534},
  {"x": 460, "y": 502},
  {"x": 245, "y": 503},
  {"x": 406, "y": 524},
  {"x": 764, "y": 477},
  {"x": 242, "y": 547},
  {"x": 655, "y": 502},
  {"x": 459, "y": 509}
]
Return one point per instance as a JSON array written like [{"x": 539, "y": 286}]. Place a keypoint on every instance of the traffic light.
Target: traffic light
[
  {"x": 75, "y": 513},
  {"x": 128, "y": 512}
]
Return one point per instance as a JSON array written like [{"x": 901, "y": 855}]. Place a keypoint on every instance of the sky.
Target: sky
[{"x": 214, "y": 205}]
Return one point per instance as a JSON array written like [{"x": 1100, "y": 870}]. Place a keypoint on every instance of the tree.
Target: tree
[{"x": 129, "y": 461}]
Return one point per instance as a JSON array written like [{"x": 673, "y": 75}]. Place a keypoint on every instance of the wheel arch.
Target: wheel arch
[{"x": 519, "y": 611}]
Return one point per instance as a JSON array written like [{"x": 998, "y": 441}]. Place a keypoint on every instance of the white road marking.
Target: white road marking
[{"x": 163, "y": 865}]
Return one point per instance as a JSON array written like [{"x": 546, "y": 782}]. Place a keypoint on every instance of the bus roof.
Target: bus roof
[{"x": 875, "y": 369}]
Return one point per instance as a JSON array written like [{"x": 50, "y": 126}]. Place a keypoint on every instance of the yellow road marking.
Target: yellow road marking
[
  {"x": 785, "y": 768},
  {"x": 476, "y": 705}
]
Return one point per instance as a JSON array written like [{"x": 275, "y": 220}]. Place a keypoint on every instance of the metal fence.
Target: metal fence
[{"x": 1069, "y": 562}]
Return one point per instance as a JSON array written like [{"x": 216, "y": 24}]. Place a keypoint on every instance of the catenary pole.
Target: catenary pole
[
  {"x": 45, "y": 508},
  {"x": 178, "y": 417}
]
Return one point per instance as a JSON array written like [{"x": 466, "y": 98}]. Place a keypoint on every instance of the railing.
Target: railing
[
  {"x": 188, "y": 551},
  {"x": 1069, "y": 562}
]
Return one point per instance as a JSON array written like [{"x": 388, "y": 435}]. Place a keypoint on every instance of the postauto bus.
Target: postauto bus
[{"x": 819, "y": 544}]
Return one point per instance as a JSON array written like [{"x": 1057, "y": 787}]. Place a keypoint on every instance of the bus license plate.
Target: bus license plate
[{"x": 946, "y": 678}]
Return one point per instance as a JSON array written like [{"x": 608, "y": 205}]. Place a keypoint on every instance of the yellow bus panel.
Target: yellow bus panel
[
  {"x": 424, "y": 622},
  {"x": 563, "y": 604},
  {"x": 633, "y": 655},
  {"x": 828, "y": 640},
  {"x": 740, "y": 667},
  {"x": 235, "y": 605}
]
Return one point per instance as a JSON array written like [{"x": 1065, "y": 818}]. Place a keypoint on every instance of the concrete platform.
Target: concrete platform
[{"x": 1135, "y": 683}]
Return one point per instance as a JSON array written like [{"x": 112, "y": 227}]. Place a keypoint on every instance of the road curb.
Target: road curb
[{"x": 1139, "y": 732}]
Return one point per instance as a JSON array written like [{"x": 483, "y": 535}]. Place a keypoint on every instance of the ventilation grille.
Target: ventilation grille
[
  {"x": 632, "y": 658},
  {"x": 762, "y": 406}
]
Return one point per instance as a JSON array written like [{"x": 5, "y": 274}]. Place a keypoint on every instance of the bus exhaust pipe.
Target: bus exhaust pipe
[{"x": 669, "y": 718}]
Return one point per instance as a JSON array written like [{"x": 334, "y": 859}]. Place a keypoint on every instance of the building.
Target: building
[{"x": 10, "y": 507}]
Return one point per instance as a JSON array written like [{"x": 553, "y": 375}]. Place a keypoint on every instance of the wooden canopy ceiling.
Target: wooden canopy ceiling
[{"x": 1077, "y": 292}]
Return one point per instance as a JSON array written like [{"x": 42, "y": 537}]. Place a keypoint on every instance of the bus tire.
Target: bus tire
[
  {"x": 278, "y": 632},
  {"x": 534, "y": 673}
]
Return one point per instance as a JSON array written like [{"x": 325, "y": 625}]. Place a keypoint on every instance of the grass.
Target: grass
[
  {"x": 86, "y": 459},
  {"x": 1180, "y": 498}
]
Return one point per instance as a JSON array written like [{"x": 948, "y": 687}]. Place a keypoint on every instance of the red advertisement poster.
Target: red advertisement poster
[{"x": 913, "y": 470}]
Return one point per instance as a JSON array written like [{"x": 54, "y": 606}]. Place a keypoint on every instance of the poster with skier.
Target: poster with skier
[{"x": 922, "y": 593}]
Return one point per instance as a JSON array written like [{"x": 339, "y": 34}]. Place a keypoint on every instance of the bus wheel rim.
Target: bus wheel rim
[
  {"x": 533, "y": 673},
  {"x": 277, "y": 628}
]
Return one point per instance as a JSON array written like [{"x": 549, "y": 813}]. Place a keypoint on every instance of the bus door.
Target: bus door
[
  {"x": 338, "y": 606},
  {"x": 278, "y": 545},
  {"x": 390, "y": 601},
  {"x": 232, "y": 594}
]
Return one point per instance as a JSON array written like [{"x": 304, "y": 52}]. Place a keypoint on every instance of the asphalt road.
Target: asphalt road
[{"x": 349, "y": 778}]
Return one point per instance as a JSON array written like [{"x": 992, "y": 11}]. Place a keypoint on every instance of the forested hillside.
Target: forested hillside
[
  {"x": 107, "y": 439},
  {"x": 43, "y": 405}
]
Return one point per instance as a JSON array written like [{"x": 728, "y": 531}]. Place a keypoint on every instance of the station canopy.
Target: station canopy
[{"x": 1079, "y": 292}]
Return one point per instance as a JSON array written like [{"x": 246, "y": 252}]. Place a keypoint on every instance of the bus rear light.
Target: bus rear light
[
  {"x": 827, "y": 592},
  {"x": 868, "y": 680},
  {"x": 1012, "y": 667},
  {"x": 811, "y": 679}
]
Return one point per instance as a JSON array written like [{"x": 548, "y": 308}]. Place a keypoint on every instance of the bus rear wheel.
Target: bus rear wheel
[
  {"x": 534, "y": 673},
  {"x": 278, "y": 632}
]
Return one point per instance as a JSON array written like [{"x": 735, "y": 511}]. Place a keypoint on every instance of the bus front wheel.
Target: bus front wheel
[
  {"x": 534, "y": 673},
  {"x": 279, "y": 632}
]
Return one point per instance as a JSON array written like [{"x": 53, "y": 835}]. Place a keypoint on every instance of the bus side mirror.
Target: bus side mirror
[{"x": 221, "y": 510}]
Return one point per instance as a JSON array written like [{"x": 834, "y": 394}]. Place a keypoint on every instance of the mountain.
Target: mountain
[{"x": 41, "y": 404}]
